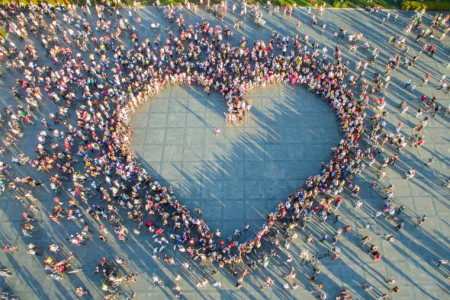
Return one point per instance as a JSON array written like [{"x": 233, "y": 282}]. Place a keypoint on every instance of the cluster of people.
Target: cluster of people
[
  {"x": 96, "y": 82},
  {"x": 113, "y": 276},
  {"x": 58, "y": 268}
]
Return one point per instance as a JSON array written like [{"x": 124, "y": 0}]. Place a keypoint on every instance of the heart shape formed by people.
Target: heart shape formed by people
[
  {"x": 239, "y": 175},
  {"x": 324, "y": 77}
]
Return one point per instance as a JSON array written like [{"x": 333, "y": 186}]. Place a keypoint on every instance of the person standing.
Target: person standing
[
  {"x": 421, "y": 220},
  {"x": 431, "y": 50},
  {"x": 430, "y": 161},
  {"x": 441, "y": 262},
  {"x": 408, "y": 84},
  {"x": 427, "y": 78}
]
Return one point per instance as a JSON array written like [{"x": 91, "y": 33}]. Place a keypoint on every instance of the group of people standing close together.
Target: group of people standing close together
[{"x": 95, "y": 81}]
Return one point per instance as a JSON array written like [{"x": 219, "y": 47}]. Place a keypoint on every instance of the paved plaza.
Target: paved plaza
[{"x": 241, "y": 174}]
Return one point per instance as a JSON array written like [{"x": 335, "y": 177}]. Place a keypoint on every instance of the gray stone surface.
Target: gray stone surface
[
  {"x": 241, "y": 174},
  {"x": 410, "y": 259}
]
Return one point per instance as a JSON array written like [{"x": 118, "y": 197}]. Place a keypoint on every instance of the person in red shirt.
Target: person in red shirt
[
  {"x": 431, "y": 50},
  {"x": 338, "y": 202}
]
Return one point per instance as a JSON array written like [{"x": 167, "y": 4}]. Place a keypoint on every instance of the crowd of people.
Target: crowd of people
[{"x": 97, "y": 75}]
